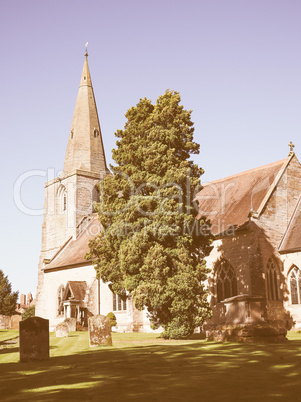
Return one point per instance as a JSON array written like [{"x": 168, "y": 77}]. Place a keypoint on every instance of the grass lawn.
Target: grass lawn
[
  {"x": 8, "y": 334},
  {"x": 143, "y": 367}
]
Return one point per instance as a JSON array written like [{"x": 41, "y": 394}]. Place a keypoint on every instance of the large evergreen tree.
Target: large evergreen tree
[
  {"x": 151, "y": 245},
  {"x": 8, "y": 299}
]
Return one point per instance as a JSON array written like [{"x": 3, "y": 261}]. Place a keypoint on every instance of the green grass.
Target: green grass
[
  {"x": 8, "y": 334},
  {"x": 143, "y": 367}
]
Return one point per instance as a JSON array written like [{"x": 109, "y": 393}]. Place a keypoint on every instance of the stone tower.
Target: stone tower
[{"x": 69, "y": 197}]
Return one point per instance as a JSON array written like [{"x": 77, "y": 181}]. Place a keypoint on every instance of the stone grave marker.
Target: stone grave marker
[
  {"x": 34, "y": 339},
  {"x": 99, "y": 331},
  {"x": 14, "y": 322},
  {"x": 62, "y": 330},
  {"x": 71, "y": 322},
  {"x": 4, "y": 321}
]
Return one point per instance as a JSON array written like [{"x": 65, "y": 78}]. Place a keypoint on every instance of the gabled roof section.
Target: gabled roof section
[
  {"x": 85, "y": 149},
  {"x": 77, "y": 290},
  {"x": 73, "y": 252},
  {"x": 228, "y": 202},
  {"x": 291, "y": 241}
]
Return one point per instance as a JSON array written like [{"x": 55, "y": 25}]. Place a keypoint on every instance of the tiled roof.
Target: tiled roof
[
  {"x": 292, "y": 238},
  {"x": 228, "y": 202},
  {"x": 73, "y": 252},
  {"x": 77, "y": 288}
]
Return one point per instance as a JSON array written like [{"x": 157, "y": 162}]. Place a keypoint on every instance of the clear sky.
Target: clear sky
[{"x": 236, "y": 63}]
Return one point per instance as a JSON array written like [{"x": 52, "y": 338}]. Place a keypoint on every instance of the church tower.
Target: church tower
[{"x": 69, "y": 197}]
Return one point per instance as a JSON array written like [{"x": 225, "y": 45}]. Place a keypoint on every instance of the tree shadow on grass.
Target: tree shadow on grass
[
  {"x": 198, "y": 370},
  {"x": 9, "y": 350}
]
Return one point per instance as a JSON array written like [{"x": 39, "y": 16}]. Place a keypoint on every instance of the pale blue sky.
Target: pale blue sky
[{"x": 237, "y": 64}]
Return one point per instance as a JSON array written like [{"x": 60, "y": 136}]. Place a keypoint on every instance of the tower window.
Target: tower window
[
  {"x": 95, "y": 198},
  {"x": 65, "y": 201},
  {"x": 61, "y": 199},
  {"x": 96, "y": 133},
  {"x": 72, "y": 133}
]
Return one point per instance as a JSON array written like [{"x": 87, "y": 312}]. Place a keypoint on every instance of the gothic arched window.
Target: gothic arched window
[
  {"x": 226, "y": 281},
  {"x": 95, "y": 197},
  {"x": 272, "y": 281},
  {"x": 295, "y": 285},
  {"x": 60, "y": 294},
  {"x": 62, "y": 199}
]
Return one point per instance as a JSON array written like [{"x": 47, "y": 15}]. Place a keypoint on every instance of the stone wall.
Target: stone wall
[{"x": 280, "y": 207}]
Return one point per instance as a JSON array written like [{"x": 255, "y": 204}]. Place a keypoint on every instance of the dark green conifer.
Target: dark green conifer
[
  {"x": 8, "y": 299},
  {"x": 152, "y": 247}
]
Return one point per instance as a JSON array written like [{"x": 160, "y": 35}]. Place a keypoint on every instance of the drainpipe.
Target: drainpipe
[{"x": 98, "y": 296}]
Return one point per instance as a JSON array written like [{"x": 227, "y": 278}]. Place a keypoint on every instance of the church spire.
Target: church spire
[{"x": 85, "y": 147}]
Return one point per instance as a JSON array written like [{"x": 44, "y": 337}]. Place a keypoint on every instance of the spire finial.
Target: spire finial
[
  {"x": 292, "y": 146},
  {"x": 86, "y": 45}
]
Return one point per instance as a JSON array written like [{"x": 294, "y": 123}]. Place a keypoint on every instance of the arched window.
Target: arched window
[
  {"x": 60, "y": 294},
  {"x": 295, "y": 285},
  {"x": 95, "y": 197},
  {"x": 62, "y": 199},
  {"x": 226, "y": 281},
  {"x": 272, "y": 281}
]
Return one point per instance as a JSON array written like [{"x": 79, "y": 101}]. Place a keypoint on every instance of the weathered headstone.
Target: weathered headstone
[
  {"x": 62, "y": 330},
  {"x": 99, "y": 331},
  {"x": 4, "y": 321},
  {"x": 14, "y": 322},
  {"x": 71, "y": 322},
  {"x": 34, "y": 339}
]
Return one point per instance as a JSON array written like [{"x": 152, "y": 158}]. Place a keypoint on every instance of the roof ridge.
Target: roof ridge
[{"x": 280, "y": 162}]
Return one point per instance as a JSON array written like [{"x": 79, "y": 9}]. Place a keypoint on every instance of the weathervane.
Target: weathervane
[
  {"x": 86, "y": 45},
  {"x": 292, "y": 146}
]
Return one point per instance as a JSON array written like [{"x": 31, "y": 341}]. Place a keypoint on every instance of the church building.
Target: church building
[{"x": 255, "y": 260}]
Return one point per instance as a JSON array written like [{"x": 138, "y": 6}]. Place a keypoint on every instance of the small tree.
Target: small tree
[
  {"x": 29, "y": 312},
  {"x": 152, "y": 246},
  {"x": 8, "y": 299}
]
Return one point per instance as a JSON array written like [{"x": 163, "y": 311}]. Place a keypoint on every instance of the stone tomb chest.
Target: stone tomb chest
[
  {"x": 245, "y": 320},
  {"x": 244, "y": 309}
]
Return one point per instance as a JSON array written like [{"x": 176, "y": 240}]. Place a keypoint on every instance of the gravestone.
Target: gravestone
[
  {"x": 4, "y": 321},
  {"x": 34, "y": 339},
  {"x": 62, "y": 330},
  {"x": 99, "y": 331},
  {"x": 71, "y": 322},
  {"x": 14, "y": 322}
]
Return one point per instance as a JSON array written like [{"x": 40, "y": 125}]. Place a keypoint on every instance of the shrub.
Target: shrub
[{"x": 112, "y": 318}]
